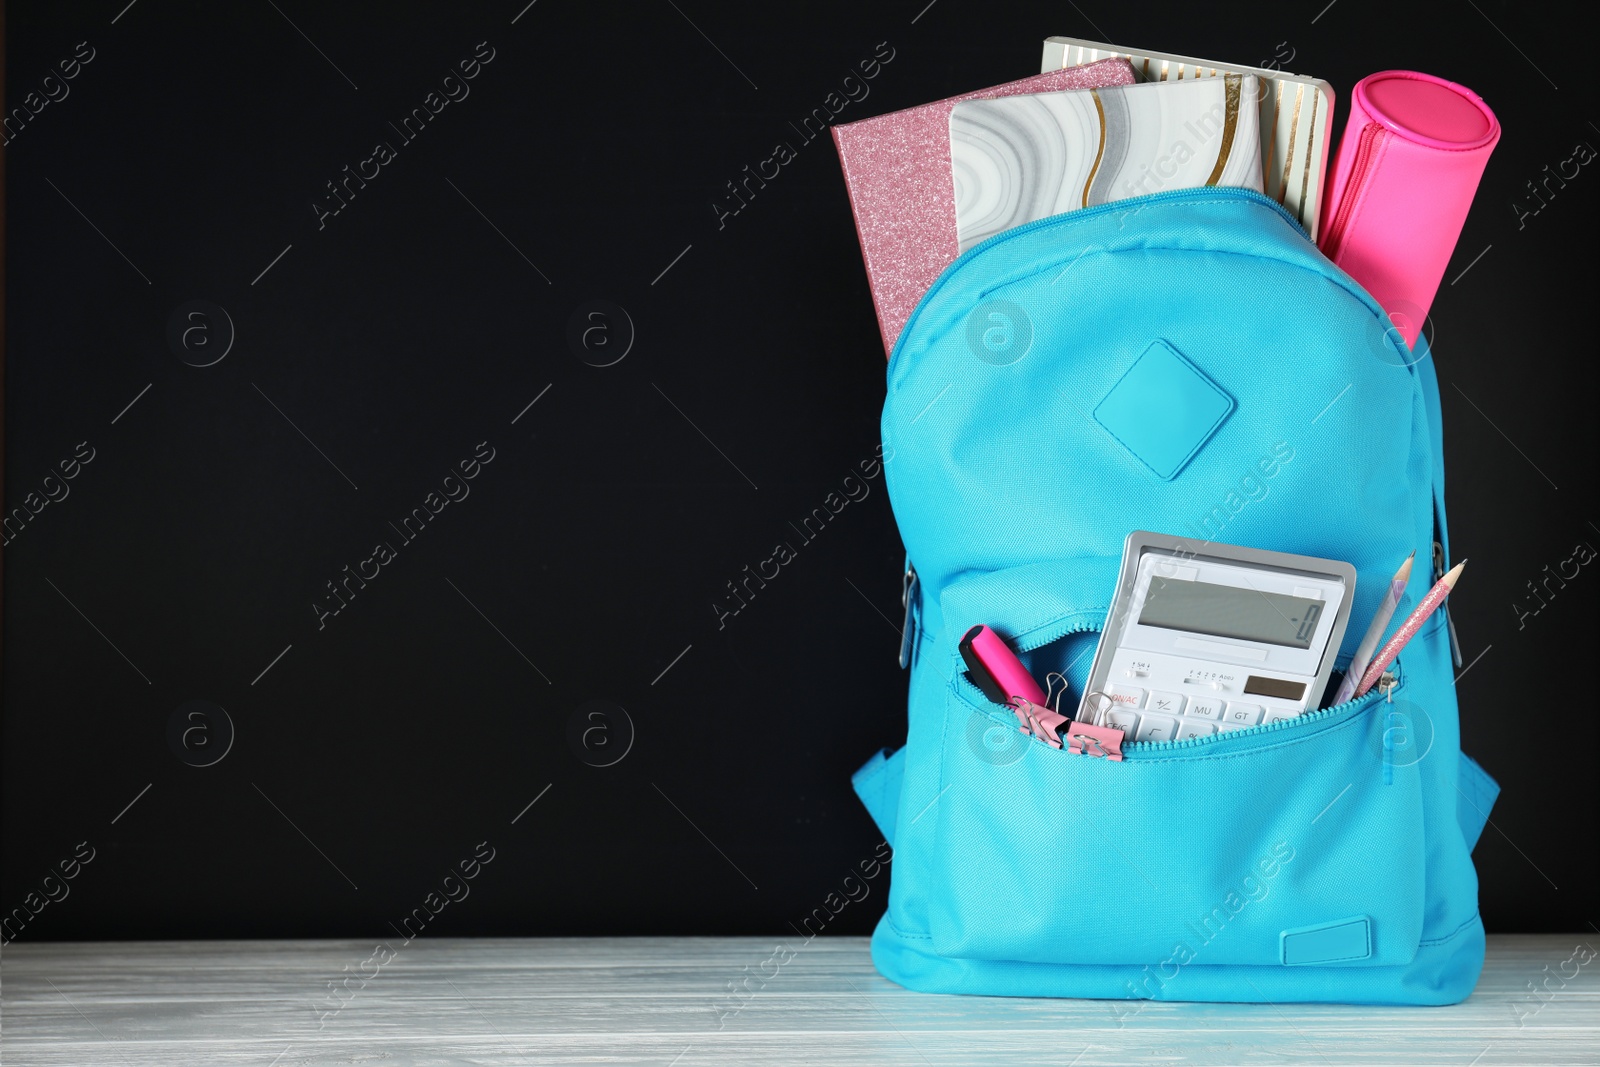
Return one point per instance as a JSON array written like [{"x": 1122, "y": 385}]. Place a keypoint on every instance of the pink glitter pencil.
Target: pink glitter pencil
[
  {"x": 1413, "y": 623},
  {"x": 897, "y": 169}
]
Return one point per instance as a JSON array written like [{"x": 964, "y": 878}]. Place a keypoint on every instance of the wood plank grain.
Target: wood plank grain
[{"x": 666, "y": 1001}]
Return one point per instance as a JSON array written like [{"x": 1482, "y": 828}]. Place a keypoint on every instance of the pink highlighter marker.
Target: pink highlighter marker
[
  {"x": 1000, "y": 674},
  {"x": 997, "y": 671},
  {"x": 986, "y": 653}
]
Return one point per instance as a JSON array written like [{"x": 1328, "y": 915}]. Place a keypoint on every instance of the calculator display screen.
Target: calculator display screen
[{"x": 1229, "y": 611}]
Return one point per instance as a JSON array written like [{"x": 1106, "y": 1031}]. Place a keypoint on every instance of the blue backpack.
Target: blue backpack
[{"x": 1054, "y": 391}]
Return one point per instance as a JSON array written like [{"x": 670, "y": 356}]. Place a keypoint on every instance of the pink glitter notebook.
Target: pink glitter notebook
[{"x": 897, "y": 169}]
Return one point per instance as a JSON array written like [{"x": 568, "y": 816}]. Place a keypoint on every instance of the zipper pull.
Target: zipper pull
[
  {"x": 908, "y": 599},
  {"x": 1449, "y": 622},
  {"x": 1386, "y": 684}
]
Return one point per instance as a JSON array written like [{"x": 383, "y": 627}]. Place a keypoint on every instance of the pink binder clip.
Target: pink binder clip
[
  {"x": 1039, "y": 720},
  {"x": 1096, "y": 740},
  {"x": 1104, "y": 742}
]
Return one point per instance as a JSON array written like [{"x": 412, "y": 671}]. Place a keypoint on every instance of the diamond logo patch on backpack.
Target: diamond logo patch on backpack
[{"x": 1163, "y": 410}]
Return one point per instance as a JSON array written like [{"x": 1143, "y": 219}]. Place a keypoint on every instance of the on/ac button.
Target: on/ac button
[{"x": 1126, "y": 696}]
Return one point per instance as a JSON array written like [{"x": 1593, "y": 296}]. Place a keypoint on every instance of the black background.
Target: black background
[{"x": 422, "y": 319}]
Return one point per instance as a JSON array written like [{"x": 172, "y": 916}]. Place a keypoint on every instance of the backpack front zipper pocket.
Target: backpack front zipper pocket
[
  {"x": 1281, "y": 844},
  {"x": 1263, "y": 846}
]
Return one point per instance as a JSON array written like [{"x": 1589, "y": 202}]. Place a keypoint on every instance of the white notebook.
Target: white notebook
[
  {"x": 1295, "y": 117},
  {"x": 1020, "y": 158}
]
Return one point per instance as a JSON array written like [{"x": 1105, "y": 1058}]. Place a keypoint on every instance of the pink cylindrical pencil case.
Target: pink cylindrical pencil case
[{"x": 1403, "y": 181}]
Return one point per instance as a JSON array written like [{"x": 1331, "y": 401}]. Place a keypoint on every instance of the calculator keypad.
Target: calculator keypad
[{"x": 1159, "y": 715}]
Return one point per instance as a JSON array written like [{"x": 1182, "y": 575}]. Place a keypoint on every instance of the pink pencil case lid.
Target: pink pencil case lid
[{"x": 1430, "y": 111}]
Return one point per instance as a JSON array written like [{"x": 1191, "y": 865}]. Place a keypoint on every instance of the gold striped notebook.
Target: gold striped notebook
[{"x": 1294, "y": 116}]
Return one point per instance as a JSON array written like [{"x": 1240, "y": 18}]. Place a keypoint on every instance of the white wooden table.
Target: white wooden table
[{"x": 665, "y": 1002}]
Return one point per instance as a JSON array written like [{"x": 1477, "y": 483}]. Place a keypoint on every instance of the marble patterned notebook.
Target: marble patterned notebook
[
  {"x": 1021, "y": 158},
  {"x": 897, "y": 170},
  {"x": 1295, "y": 114}
]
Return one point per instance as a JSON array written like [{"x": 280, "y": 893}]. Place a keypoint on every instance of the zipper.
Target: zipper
[
  {"x": 1131, "y": 205},
  {"x": 1387, "y": 685},
  {"x": 1037, "y": 640},
  {"x": 1351, "y": 194}
]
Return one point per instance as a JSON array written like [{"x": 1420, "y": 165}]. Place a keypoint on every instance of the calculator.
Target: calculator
[{"x": 1204, "y": 637}]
